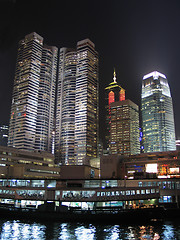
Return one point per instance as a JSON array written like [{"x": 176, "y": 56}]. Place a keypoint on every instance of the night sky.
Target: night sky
[{"x": 135, "y": 37}]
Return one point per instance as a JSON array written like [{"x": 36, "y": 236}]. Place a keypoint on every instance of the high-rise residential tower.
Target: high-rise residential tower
[
  {"x": 157, "y": 114},
  {"x": 122, "y": 121},
  {"x": 77, "y": 104},
  {"x": 32, "y": 108}
]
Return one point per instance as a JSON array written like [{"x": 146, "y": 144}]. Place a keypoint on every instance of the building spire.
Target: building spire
[{"x": 114, "y": 78}]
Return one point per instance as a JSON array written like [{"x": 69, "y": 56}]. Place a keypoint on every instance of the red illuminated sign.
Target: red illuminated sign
[
  {"x": 122, "y": 95},
  {"x": 111, "y": 97}
]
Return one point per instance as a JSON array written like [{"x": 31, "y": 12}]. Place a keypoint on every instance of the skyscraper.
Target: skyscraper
[
  {"x": 33, "y": 95},
  {"x": 124, "y": 128},
  {"x": 157, "y": 114},
  {"x": 65, "y": 109},
  {"x": 122, "y": 121},
  {"x": 114, "y": 93},
  {"x": 87, "y": 102},
  {"x": 77, "y": 104},
  {"x": 46, "y": 99}
]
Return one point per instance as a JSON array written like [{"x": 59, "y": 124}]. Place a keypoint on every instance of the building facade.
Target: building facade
[
  {"x": 124, "y": 128},
  {"x": 3, "y": 135},
  {"x": 77, "y": 104},
  {"x": 157, "y": 114},
  {"x": 32, "y": 108},
  {"x": 46, "y": 99},
  {"x": 87, "y": 102},
  {"x": 122, "y": 121},
  {"x": 20, "y": 164},
  {"x": 65, "y": 110},
  {"x": 159, "y": 165},
  {"x": 114, "y": 93}
]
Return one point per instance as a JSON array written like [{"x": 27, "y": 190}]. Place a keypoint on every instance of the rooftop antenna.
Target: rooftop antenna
[{"x": 114, "y": 78}]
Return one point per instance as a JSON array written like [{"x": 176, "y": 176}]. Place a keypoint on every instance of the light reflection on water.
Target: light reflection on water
[{"x": 17, "y": 230}]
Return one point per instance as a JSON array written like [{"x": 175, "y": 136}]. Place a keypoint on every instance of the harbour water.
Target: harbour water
[{"x": 25, "y": 230}]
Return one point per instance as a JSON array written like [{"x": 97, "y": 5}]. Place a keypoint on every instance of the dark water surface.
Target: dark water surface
[{"x": 16, "y": 230}]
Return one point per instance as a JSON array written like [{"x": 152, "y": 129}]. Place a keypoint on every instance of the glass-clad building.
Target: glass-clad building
[{"x": 157, "y": 114}]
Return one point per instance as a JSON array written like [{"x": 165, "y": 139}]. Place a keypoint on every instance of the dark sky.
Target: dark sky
[{"x": 135, "y": 37}]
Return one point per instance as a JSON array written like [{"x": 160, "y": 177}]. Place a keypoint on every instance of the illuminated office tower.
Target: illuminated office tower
[
  {"x": 86, "y": 102},
  {"x": 65, "y": 110},
  {"x": 157, "y": 114},
  {"x": 114, "y": 93},
  {"x": 77, "y": 104},
  {"x": 124, "y": 128},
  {"x": 31, "y": 100}
]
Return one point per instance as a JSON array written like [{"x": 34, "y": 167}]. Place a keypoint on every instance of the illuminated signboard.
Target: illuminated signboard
[
  {"x": 174, "y": 170},
  {"x": 111, "y": 97},
  {"x": 151, "y": 168}
]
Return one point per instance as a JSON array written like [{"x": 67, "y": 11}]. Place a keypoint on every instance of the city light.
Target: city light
[
  {"x": 151, "y": 168},
  {"x": 154, "y": 74}
]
